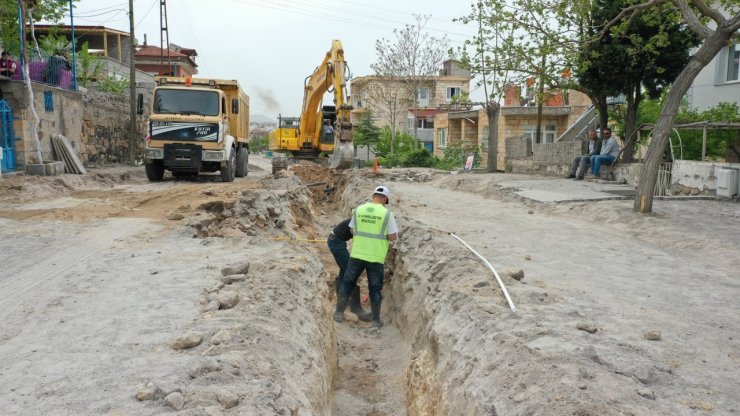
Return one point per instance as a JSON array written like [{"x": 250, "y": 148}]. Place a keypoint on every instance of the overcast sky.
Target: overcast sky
[{"x": 271, "y": 46}]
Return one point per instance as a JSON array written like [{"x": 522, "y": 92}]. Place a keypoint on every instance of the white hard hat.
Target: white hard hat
[{"x": 383, "y": 190}]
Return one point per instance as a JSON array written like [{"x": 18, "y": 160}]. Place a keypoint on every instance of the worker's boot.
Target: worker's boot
[
  {"x": 376, "y": 315},
  {"x": 356, "y": 306},
  {"x": 341, "y": 306}
]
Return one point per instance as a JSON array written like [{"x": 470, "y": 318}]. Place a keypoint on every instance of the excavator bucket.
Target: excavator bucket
[{"x": 344, "y": 155}]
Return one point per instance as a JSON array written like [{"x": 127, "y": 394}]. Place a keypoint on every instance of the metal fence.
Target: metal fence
[
  {"x": 56, "y": 71},
  {"x": 663, "y": 182}
]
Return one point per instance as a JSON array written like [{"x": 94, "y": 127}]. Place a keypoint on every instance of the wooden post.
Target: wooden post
[{"x": 132, "y": 84}]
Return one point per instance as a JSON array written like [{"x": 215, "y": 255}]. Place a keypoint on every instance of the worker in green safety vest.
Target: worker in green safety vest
[{"x": 373, "y": 227}]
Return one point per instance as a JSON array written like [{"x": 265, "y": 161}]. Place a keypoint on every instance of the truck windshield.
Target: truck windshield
[{"x": 176, "y": 101}]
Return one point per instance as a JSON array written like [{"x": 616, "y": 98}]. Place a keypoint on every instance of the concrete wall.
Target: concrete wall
[
  {"x": 711, "y": 86},
  {"x": 690, "y": 177}
]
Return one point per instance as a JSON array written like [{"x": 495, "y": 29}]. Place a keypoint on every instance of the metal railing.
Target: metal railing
[{"x": 56, "y": 71}]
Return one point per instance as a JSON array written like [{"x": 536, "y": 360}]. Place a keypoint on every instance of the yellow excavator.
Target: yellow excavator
[{"x": 320, "y": 129}]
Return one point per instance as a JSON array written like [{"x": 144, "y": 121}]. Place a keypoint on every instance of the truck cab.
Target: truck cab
[{"x": 197, "y": 125}]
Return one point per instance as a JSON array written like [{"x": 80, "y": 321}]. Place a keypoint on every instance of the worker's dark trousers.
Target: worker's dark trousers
[
  {"x": 339, "y": 250},
  {"x": 374, "y": 278}
]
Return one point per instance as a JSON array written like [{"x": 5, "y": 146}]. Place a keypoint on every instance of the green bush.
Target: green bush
[
  {"x": 455, "y": 155},
  {"x": 418, "y": 158}
]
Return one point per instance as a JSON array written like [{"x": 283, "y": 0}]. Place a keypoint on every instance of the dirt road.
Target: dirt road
[{"x": 101, "y": 274}]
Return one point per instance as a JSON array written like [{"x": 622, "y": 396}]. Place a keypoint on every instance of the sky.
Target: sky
[{"x": 271, "y": 46}]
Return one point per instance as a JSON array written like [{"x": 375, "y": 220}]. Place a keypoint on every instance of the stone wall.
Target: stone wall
[
  {"x": 556, "y": 153},
  {"x": 63, "y": 116},
  {"x": 690, "y": 177},
  {"x": 105, "y": 127},
  {"x": 96, "y": 123},
  {"x": 518, "y": 148}
]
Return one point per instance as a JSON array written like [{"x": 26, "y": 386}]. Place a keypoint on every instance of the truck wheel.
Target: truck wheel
[
  {"x": 242, "y": 161},
  {"x": 154, "y": 170},
  {"x": 227, "y": 172}
]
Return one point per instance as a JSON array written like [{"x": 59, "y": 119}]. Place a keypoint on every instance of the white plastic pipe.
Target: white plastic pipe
[{"x": 488, "y": 264}]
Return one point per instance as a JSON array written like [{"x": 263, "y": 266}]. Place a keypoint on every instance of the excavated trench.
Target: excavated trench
[{"x": 450, "y": 345}]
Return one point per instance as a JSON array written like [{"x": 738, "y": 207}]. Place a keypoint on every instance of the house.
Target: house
[
  {"x": 390, "y": 101},
  {"x": 518, "y": 117},
  {"x": 717, "y": 82},
  {"x": 174, "y": 61}
]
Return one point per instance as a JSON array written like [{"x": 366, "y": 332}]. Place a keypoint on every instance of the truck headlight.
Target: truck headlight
[
  {"x": 153, "y": 153},
  {"x": 214, "y": 156}
]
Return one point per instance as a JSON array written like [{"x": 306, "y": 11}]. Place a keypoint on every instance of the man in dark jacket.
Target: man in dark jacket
[
  {"x": 594, "y": 149},
  {"x": 337, "y": 242}
]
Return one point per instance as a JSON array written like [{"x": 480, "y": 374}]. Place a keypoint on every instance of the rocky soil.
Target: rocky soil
[{"x": 197, "y": 297}]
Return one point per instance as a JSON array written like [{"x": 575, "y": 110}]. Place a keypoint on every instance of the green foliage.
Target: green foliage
[
  {"x": 422, "y": 158},
  {"x": 44, "y": 10},
  {"x": 53, "y": 44},
  {"x": 366, "y": 133},
  {"x": 112, "y": 84},
  {"x": 719, "y": 142},
  {"x": 455, "y": 155},
  {"x": 89, "y": 67},
  {"x": 400, "y": 144},
  {"x": 260, "y": 143}
]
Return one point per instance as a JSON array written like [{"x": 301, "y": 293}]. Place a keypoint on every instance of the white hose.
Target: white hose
[{"x": 488, "y": 264}]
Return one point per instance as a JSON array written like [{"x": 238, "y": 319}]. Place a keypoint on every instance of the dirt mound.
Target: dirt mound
[{"x": 285, "y": 209}]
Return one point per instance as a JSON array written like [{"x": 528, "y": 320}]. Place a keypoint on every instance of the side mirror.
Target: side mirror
[
  {"x": 140, "y": 104},
  {"x": 234, "y": 106}
]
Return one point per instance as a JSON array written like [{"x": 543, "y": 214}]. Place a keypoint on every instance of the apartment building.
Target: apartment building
[{"x": 392, "y": 103}]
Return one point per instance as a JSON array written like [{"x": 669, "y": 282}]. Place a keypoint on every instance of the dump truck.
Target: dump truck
[
  {"x": 306, "y": 140},
  {"x": 197, "y": 125}
]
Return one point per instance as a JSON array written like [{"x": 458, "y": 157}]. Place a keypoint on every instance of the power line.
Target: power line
[
  {"x": 310, "y": 6},
  {"x": 154, "y": 3},
  {"x": 292, "y": 9}
]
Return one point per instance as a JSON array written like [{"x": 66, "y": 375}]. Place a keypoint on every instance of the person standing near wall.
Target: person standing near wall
[
  {"x": 7, "y": 65},
  {"x": 373, "y": 227}
]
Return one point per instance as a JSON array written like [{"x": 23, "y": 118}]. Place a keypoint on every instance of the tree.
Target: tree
[
  {"x": 413, "y": 58},
  {"x": 388, "y": 100},
  {"x": 366, "y": 134},
  {"x": 36, "y": 10},
  {"x": 516, "y": 40},
  {"x": 717, "y": 27},
  {"x": 645, "y": 53}
]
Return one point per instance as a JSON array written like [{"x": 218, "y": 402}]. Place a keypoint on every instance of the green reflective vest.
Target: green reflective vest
[{"x": 370, "y": 242}]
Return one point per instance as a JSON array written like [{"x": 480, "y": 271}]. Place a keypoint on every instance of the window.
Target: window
[
  {"x": 733, "y": 62},
  {"x": 453, "y": 92},
  {"x": 186, "y": 102},
  {"x": 424, "y": 123},
  {"x": 442, "y": 136},
  {"x": 547, "y": 134},
  {"x": 423, "y": 97}
]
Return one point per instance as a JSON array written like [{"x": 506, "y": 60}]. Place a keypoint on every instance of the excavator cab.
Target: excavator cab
[{"x": 328, "y": 115}]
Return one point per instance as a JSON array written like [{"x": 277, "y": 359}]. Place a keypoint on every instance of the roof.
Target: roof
[
  {"x": 150, "y": 51},
  {"x": 157, "y": 52},
  {"x": 426, "y": 113},
  {"x": 79, "y": 29}
]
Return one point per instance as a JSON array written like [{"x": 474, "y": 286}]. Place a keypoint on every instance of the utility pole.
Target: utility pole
[
  {"x": 164, "y": 35},
  {"x": 132, "y": 83}
]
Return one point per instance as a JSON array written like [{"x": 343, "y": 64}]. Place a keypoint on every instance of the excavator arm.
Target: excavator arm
[{"x": 329, "y": 76}]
